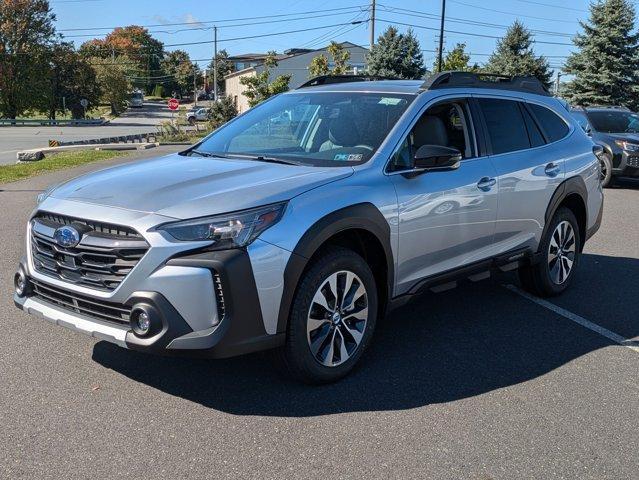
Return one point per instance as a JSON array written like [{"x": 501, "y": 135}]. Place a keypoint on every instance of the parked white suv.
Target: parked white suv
[{"x": 300, "y": 233}]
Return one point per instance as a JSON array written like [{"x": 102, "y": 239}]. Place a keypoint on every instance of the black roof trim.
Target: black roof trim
[
  {"x": 328, "y": 79},
  {"x": 484, "y": 80}
]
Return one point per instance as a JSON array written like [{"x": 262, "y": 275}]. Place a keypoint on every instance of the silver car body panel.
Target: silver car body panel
[{"x": 438, "y": 221}]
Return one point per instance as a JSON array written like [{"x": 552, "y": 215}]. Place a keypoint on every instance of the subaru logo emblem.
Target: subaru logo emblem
[{"x": 66, "y": 236}]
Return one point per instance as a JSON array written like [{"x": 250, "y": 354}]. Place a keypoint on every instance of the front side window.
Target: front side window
[
  {"x": 505, "y": 123},
  {"x": 614, "y": 121},
  {"x": 445, "y": 124},
  {"x": 322, "y": 128}
]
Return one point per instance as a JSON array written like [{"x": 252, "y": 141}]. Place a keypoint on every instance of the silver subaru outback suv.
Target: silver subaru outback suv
[{"x": 301, "y": 222}]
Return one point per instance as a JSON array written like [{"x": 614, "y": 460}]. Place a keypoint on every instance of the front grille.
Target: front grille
[
  {"x": 71, "y": 301},
  {"x": 633, "y": 162},
  {"x": 103, "y": 258}
]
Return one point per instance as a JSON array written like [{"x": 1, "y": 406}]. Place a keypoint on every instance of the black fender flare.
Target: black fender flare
[
  {"x": 363, "y": 216},
  {"x": 573, "y": 185}
]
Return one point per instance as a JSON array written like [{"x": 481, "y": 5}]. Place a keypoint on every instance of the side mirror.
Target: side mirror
[{"x": 436, "y": 157}]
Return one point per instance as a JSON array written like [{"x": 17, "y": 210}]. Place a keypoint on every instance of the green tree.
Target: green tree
[
  {"x": 178, "y": 64},
  {"x": 26, "y": 36},
  {"x": 259, "y": 87},
  {"x": 457, "y": 60},
  {"x": 606, "y": 64},
  {"x": 71, "y": 79},
  {"x": 222, "y": 111},
  {"x": 396, "y": 55},
  {"x": 514, "y": 56},
  {"x": 113, "y": 82},
  {"x": 320, "y": 65},
  {"x": 144, "y": 53},
  {"x": 224, "y": 67}
]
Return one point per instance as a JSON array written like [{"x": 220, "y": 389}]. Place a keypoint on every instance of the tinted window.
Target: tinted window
[
  {"x": 536, "y": 138},
  {"x": 506, "y": 128},
  {"x": 554, "y": 127}
]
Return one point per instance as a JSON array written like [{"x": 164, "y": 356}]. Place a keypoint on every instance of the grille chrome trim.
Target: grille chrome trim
[
  {"x": 105, "y": 255},
  {"x": 73, "y": 302}
]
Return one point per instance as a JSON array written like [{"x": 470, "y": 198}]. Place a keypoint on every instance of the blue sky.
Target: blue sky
[{"x": 554, "y": 20}]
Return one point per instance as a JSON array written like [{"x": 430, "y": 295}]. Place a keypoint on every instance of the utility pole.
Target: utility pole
[
  {"x": 372, "y": 20},
  {"x": 215, "y": 63},
  {"x": 194, "y": 86},
  {"x": 440, "y": 52},
  {"x": 559, "y": 75}
]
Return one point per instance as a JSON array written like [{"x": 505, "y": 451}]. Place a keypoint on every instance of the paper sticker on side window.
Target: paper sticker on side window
[{"x": 348, "y": 157}]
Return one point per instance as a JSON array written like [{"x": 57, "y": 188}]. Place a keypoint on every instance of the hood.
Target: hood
[
  {"x": 629, "y": 137},
  {"x": 186, "y": 187}
]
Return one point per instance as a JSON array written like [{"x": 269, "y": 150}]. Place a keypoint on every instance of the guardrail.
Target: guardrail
[
  {"x": 24, "y": 122},
  {"x": 150, "y": 137}
]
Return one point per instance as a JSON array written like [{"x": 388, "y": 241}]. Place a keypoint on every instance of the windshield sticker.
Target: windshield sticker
[
  {"x": 389, "y": 101},
  {"x": 349, "y": 157}
]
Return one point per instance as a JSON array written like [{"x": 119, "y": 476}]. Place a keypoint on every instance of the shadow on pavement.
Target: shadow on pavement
[{"x": 438, "y": 348}]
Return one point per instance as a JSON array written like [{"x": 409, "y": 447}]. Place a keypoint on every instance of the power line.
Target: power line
[
  {"x": 511, "y": 13},
  {"x": 551, "y": 5},
  {"x": 204, "y": 22}
]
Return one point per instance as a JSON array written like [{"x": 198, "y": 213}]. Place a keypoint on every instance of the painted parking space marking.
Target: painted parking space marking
[{"x": 624, "y": 342}]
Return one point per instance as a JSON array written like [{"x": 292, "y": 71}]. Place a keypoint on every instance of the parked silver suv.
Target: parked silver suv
[{"x": 301, "y": 233}]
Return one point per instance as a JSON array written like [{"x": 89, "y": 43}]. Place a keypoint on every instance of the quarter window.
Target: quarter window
[
  {"x": 505, "y": 124},
  {"x": 554, "y": 127},
  {"x": 535, "y": 135}
]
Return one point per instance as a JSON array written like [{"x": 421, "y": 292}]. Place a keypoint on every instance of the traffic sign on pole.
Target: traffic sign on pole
[{"x": 174, "y": 104}]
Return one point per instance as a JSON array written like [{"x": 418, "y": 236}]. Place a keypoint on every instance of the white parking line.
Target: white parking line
[{"x": 576, "y": 318}]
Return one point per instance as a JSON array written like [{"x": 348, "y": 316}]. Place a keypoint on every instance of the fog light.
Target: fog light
[
  {"x": 21, "y": 283},
  {"x": 143, "y": 322}
]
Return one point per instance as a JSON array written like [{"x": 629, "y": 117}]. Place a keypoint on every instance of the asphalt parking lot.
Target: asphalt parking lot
[{"x": 476, "y": 382}]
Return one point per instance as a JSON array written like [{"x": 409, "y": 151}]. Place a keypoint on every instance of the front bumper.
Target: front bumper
[
  {"x": 236, "y": 328},
  {"x": 626, "y": 164}
]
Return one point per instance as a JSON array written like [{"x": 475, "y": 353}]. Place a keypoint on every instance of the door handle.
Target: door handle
[
  {"x": 552, "y": 169},
  {"x": 486, "y": 183}
]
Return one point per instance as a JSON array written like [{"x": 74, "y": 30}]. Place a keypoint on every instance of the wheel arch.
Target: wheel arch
[
  {"x": 361, "y": 228},
  {"x": 573, "y": 194}
]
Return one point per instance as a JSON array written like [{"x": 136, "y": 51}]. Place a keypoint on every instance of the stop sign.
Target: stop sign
[{"x": 174, "y": 104}]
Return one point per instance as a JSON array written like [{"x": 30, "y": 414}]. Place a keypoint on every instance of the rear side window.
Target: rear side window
[
  {"x": 505, "y": 123},
  {"x": 535, "y": 135},
  {"x": 554, "y": 127}
]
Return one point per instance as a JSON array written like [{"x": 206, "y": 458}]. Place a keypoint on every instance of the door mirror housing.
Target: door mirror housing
[{"x": 436, "y": 157}]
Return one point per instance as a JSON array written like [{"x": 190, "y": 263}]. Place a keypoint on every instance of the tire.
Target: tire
[
  {"x": 606, "y": 170},
  {"x": 316, "y": 334},
  {"x": 191, "y": 121},
  {"x": 553, "y": 273}
]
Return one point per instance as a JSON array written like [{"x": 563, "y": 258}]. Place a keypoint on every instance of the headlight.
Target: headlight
[
  {"x": 41, "y": 197},
  {"x": 627, "y": 146},
  {"x": 230, "y": 230}
]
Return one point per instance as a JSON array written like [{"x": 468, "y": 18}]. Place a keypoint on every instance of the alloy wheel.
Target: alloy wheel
[
  {"x": 337, "y": 318},
  {"x": 561, "y": 252}
]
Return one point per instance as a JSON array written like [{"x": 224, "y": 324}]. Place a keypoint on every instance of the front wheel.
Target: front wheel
[
  {"x": 561, "y": 249},
  {"x": 332, "y": 317},
  {"x": 605, "y": 163}
]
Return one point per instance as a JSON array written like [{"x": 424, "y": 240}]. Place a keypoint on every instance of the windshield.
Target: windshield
[
  {"x": 321, "y": 128},
  {"x": 614, "y": 122},
  {"x": 136, "y": 96}
]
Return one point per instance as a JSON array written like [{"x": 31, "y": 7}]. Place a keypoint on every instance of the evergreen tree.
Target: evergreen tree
[
  {"x": 259, "y": 87},
  {"x": 224, "y": 67},
  {"x": 396, "y": 55},
  {"x": 457, "y": 60},
  {"x": 606, "y": 66},
  {"x": 514, "y": 56}
]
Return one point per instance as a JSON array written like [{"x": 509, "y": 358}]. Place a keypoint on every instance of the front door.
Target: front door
[{"x": 446, "y": 218}]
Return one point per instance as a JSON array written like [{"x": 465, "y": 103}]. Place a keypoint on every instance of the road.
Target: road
[
  {"x": 477, "y": 382},
  {"x": 140, "y": 120}
]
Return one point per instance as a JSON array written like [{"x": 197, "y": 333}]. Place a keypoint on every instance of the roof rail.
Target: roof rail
[
  {"x": 327, "y": 79},
  {"x": 484, "y": 80}
]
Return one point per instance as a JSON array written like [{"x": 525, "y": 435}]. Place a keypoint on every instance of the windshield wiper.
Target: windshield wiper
[
  {"x": 263, "y": 158},
  {"x": 204, "y": 154}
]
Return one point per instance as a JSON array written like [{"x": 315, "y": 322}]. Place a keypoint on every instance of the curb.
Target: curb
[{"x": 36, "y": 154}]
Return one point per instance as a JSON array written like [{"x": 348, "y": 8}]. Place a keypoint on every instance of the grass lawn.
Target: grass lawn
[{"x": 11, "y": 173}]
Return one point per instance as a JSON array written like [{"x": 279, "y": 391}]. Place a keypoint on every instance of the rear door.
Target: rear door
[{"x": 524, "y": 143}]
